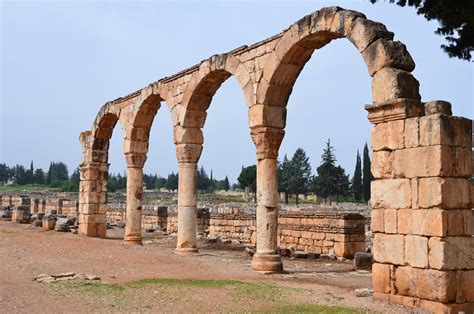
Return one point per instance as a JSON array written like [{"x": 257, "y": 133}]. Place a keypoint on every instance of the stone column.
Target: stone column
[
  {"x": 267, "y": 142},
  {"x": 188, "y": 155},
  {"x": 422, "y": 221},
  {"x": 133, "y": 217},
  {"x": 93, "y": 199}
]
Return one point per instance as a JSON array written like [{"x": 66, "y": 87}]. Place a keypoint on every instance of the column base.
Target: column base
[
  {"x": 132, "y": 240},
  {"x": 267, "y": 263},
  {"x": 94, "y": 230},
  {"x": 186, "y": 250}
]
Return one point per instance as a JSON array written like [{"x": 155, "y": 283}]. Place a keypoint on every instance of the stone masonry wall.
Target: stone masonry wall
[{"x": 342, "y": 234}]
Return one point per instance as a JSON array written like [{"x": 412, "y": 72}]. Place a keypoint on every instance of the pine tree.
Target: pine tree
[
  {"x": 226, "y": 184},
  {"x": 300, "y": 174},
  {"x": 325, "y": 184},
  {"x": 366, "y": 174},
  {"x": 357, "y": 179},
  {"x": 284, "y": 174}
]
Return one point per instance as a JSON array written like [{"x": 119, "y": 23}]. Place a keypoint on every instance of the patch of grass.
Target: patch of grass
[
  {"x": 202, "y": 283},
  {"x": 89, "y": 286}
]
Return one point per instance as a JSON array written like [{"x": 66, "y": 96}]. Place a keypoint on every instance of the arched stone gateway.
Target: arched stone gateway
[{"x": 422, "y": 220}]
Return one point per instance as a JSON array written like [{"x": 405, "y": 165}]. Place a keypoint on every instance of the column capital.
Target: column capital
[
  {"x": 188, "y": 153},
  {"x": 267, "y": 141},
  {"x": 135, "y": 160}
]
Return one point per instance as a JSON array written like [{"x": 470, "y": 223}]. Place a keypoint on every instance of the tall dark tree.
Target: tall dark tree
[
  {"x": 325, "y": 184},
  {"x": 357, "y": 179},
  {"x": 300, "y": 174},
  {"x": 342, "y": 183},
  {"x": 39, "y": 177},
  {"x": 203, "y": 181},
  {"x": 21, "y": 176},
  {"x": 456, "y": 19},
  {"x": 284, "y": 174},
  {"x": 366, "y": 174},
  {"x": 4, "y": 173},
  {"x": 226, "y": 184},
  {"x": 248, "y": 178},
  {"x": 172, "y": 182},
  {"x": 76, "y": 176}
]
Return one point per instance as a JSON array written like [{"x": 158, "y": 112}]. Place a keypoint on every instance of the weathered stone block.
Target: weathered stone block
[
  {"x": 451, "y": 253},
  {"x": 381, "y": 278},
  {"x": 426, "y": 283},
  {"x": 388, "y": 136},
  {"x": 187, "y": 135},
  {"x": 445, "y": 130},
  {"x": 382, "y": 164},
  {"x": 384, "y": 196},
  {"x": 427, "y": 222},
  {"x": 267, "y": 116},
  {"x": 364, "y": 32},
  {"x": 389, "y": 248},
  {"x": 438, "y": 107},
  {"x": 390, "y": 84},
  {"x": 446, "y": 193},
  {"x": 363, "y": 261},
  {"x": 416, "y": 251},
  {"x": 427, "y": 161},
  {"x": 385, "y": 53},
  {"x": 411, "y": 135},
  {"x": 390, "y": 218},
  {"x": 378, "y": 220},
  {"x": 465, "y": 291}
]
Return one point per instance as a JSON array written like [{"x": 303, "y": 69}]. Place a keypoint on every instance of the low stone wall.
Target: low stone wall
[
  {"x": 70, "y": 208},
  {"x": 342, "y": 234}
]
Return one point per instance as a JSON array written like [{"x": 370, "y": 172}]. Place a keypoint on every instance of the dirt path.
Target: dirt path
[{"x": 26, "y": 251}]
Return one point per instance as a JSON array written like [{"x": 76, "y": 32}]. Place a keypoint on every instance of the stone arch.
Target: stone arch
[
  {"x": 205, "y": 82},
  {"x": 388, "y": 61}
]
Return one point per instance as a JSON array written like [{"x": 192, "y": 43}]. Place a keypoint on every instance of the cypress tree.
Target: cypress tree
[
  {"x": 357, "y": 179},
  {"x": 366, "y": 174}
]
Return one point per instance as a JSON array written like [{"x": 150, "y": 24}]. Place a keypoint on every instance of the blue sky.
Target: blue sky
[{"x": 61, "y": 61}]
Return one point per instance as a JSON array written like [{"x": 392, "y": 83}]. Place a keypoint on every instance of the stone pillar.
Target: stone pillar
[
  {"x": 93, "y": 199},
  {"x": 422, "y": 221},
  {"x": 267, "y": 142},
  {"x": 188, "y": 155},
  {"x": 133, "y": 217}
]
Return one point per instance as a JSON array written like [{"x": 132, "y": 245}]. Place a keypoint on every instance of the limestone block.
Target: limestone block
[
  {"x": 348, "y": 249},
  {"x": 445, "y": 130},
  {"x": 416, "y": 251},
  {"x": 194, "y": 118},
  {"x": 364, "y": 32},
  {"x": 390, "y": 84},
  {"x": 411, "y": 132},
  {"x": 438, "y": 107},
  {"x": 426, "y": 222},
  {"x": 465, "y": 291},
  {"x": 430, "y": 161},
  {"x": 462, "y": 162},
  {"x": 445, "y": 193},
  {"x": 260, "y": 115},
  {"x": 382, "y": 164},
  {"x": 184, "y": 135},
  {"x": 388, "y": 136},
  {"x": 426, "y": 283},
  {"x": 455, "y": 224},
  {"x": 390, "y": 220},
  {"x": 468, "y": 220},
  {"x": 387, "y": 53},
  {"x": 134, "y": 146},
  {"x": 451, "y": 253},
  {"x": 381, "y": 277},
  {"x": 391, "y": 193},
  {"x": 343, "y": 21},
  {"x": 389, "y": 248}
]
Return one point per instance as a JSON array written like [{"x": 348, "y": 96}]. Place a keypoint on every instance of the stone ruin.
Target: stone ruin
[{"x": 422, "y": 199}]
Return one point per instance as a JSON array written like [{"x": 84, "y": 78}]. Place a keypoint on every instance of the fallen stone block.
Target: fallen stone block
[
  {"x": 363, "y": 261},
  {"x": 299, "y": 254}
]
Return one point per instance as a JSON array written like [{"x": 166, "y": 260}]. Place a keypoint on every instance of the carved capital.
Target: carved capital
[
  {"x": 267, "y": 141},
  {"x": 188, "y": 153},
  {"x": 135, "y": 160}
]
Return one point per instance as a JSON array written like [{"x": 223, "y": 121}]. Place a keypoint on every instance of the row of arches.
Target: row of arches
[{"x": 266, "y": 73}]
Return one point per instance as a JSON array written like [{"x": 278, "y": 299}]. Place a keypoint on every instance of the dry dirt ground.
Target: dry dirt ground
[{"x": 152, "y": 278}]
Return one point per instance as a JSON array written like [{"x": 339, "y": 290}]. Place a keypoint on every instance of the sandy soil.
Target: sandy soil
[{"x": 26, "y": 251}]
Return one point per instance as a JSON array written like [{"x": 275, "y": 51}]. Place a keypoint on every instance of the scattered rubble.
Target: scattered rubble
[{"x": 64, "y": 276}]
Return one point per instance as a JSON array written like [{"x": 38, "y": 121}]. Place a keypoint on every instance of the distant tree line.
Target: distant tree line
[
  {"x": 330, "y": 181},
  {"x": 57, "y": 176}
]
